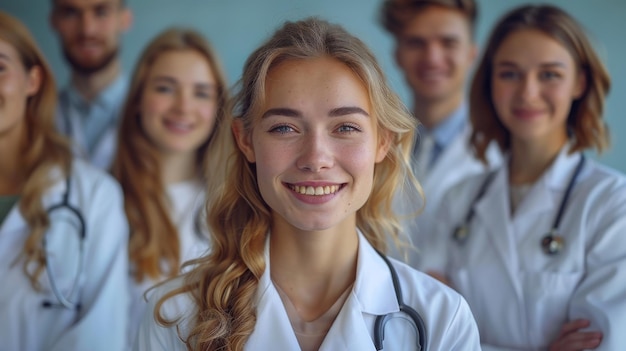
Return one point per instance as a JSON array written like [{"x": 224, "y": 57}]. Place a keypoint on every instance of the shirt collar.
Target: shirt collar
[
  {"x": 110, "y": 97},
  {"x": 452, "y": 126}
]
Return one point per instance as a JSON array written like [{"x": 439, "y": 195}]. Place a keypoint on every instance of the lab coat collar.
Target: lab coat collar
[
  {"x": 547, "y": 193},
  {"x": 376, "y": 296},
  {"x": 369, "y": 296},
  {"x": 562, "y": 169}
]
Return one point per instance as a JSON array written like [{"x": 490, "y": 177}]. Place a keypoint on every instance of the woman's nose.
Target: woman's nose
[{"x": 316, "y": 153}]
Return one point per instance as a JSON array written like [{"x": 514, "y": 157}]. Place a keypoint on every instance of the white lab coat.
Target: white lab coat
[
  {"x": 456, "y": 163},
  {"x": 520, "y": 296},
  {"x": 187, "y": 203},
  {"x": 449, "y": 323},
  {"x": 101, "y": 322}
]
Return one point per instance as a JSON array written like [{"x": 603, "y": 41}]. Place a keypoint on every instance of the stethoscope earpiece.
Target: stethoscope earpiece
[
  {"x": 460, "y": 234},
  {"x": 552, "y": 244}
]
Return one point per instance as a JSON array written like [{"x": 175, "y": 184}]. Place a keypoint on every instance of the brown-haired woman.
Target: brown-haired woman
[
  {"x": 63, "y": 232},
  {"x": 168, "y": 147},
  {"x": 538, "y": 249}
]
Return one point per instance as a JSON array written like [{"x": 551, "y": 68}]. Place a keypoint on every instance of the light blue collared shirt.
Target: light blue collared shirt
[
  {"x": 100, "y": 113},
  {"x": 445, "y": 133}
]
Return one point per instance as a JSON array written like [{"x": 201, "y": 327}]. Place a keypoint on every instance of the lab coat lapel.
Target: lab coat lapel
[
  {"x": 349, "y": 331},
  {"x": 492, "y": 213},
  {"x": 440, "y": 176},
  {"x": 104, "y": 151},
  {"x": 352, "y": 329},
  {"x": 539, "y": 209},
  {"x": 562, "y": 170},
  {"x": 273, "y": 329}
]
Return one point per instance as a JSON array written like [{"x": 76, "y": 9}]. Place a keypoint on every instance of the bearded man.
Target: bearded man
[{"x": 89, "y": 32}]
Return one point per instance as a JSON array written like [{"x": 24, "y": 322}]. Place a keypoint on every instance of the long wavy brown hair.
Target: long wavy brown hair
[
  {"x": 154, "y": 247},
  {"x": 585, "y": 124},
  {"x": 224, "y": 284},
  {"x": 46, "y": 156}
]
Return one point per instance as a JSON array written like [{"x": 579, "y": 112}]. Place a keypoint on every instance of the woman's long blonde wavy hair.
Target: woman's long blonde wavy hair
[
  {"x": 224, "y": 283},
  {"x": 154, "y": 247},
  {"x": 585, "y": 125},
  {"x": 46, "y": 156}
]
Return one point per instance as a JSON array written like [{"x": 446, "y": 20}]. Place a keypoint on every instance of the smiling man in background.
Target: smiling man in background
[
  {"x": 89, "y": 32},
  {"x": 435, "y": 51}
]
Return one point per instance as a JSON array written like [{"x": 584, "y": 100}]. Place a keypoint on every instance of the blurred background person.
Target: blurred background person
[
  {"x": 435, "y": 49},
  {"x": 168, "y": 147},
  {"x": 89, "y": 106},
  {"x": 537, "y": 246},
  {"x": 63, "y": 233}
]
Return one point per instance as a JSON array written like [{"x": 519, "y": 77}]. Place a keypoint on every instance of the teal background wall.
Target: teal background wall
[{"x": 236, "y": 27}]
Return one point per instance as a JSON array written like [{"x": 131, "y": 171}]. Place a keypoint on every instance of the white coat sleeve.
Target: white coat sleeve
[
  {"x": 462, "y": 334},
  {"x": 103, "y": 318},
  {"x": 601, "y": 295}
]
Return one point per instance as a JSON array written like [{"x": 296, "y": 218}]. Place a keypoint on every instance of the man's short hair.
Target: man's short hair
[{"x": 395, "y": 14}]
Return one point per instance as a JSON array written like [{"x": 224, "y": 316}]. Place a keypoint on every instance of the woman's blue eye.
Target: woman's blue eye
[
  {"x": 348, "y": 128},
  {"x": 282, "y": 129}
]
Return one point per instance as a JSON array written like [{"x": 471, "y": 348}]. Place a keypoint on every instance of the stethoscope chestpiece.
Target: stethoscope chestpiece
[
  {"x": 552, "y": 243},
  {"x": 460, "y": 234}
]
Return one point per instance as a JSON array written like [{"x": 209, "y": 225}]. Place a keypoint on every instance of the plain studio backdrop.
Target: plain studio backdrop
[{"x": 236, "y": 27}]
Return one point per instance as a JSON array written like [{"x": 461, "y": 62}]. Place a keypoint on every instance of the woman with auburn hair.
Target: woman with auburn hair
[
  {"x": 63, "y": 232},
  {"x": 169, "y": 137},
  {"x": 537, "y": 246},
  {"x": 323, "y": 143}
]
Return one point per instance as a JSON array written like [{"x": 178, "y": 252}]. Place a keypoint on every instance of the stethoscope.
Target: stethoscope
[
  {"x": 64, "y": 301},
  {"x": 414, "y": 318},
  {"x": 552, "y": 243}
]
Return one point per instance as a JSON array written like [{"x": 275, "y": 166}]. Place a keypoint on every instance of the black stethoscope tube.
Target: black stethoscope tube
[
  {"x": 379, "y": 323},
  {"x": 551, "y": 243},
  {"x": 63, "y": 301}
]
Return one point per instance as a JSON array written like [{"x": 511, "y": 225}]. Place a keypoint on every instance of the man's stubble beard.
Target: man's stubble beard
[{"x": 89, "y": 69}]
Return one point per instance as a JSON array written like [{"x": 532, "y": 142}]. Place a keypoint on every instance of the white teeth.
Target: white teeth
[
  {"x": 320, "y": 190},
  {"x": 179, "y": 125}
]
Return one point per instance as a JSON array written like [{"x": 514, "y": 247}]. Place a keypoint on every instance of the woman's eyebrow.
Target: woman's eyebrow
[
  {"x": 282, "y": 111},
  {"x": 349, "y": 110}
]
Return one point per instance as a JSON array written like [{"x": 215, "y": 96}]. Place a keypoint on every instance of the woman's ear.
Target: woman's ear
[
  {"x": 581, "y": 85},
  {"x": 244, "y": 140},
  {"x": 34, "y": 80},
  {"x": 384, "y": 143}
]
